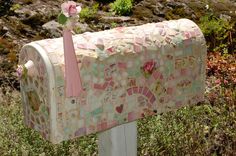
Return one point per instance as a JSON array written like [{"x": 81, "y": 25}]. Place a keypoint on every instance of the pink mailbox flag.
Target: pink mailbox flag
[{"x": 72, "y": 73}]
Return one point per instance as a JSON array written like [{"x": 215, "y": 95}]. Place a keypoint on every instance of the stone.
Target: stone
[
  {"x": 225, "y": 17},
  {"x": 82, "y": 27},
  {"x": 52, "y": 29},
  {"x": 116, "y": 19},
  {"x": 37, "y": 13},
  {"x": 3, "y": 28}
]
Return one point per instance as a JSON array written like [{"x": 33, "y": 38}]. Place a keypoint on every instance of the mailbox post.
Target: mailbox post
[{"x": 118, "y": 141}]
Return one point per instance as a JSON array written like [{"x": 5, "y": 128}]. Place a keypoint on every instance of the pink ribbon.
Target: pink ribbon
[{"x": 72, "y": 73}]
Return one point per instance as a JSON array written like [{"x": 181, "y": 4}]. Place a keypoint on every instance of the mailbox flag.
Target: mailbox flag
[{"x": 72, "y": 73}]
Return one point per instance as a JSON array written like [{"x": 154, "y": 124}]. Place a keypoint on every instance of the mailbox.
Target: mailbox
[{"x": 127, "y": 73}]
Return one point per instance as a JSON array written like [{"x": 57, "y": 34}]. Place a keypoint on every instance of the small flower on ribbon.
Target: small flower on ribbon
[
  {"x": 21, "y": 71},
  {"x": 69, "y": 14}
]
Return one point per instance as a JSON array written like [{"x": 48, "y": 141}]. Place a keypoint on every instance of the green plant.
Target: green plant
[
  {"x": 78, "y": 30},
  {"x": 15, "y": 7},
  {"x": 218, "y": 33},
  {"x": 113, "y": 24},
  {"x": 88, "y": 13},
  {"x": 122, "y": 7}
]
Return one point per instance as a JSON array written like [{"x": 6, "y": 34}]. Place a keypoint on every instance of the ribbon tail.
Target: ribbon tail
[{"x": 72, "y": 73}]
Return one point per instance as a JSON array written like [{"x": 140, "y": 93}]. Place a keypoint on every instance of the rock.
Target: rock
[
  {"x": 119, "y": 19},
  {"x": 82, "y": 27},
  {"x": 159, "y": 13},
  {"x": 52, "y": 29},
  {"x": 142, "y": 12},
  {"x": 157, "y": 10},
  {"x": 174, "y": 4},
  {"x": 225, "y": 17},
  {"x": 18, "y": 28},
  {"x": 29, "y": 17},
  {"x": 3, "y": 28},
  {"x": 37, "y": 13}
]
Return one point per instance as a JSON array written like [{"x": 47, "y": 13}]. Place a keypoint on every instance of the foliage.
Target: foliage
[
  {"x": 16, "y": 139},
  {"x": 15, "y": 7},
  {"x": 62, "y": 19},
  {"x": 218, "y": 33},
  {"x": 113, "y": 25},
  {"x": 5, "y": 6},
  {"x": 89, "y": 13},
  {"x": 223, "y": 68},
  {"x": 122, "y": 7},
  {"x": 221, "y": 78},
  {"x": 198, "y": 130}
]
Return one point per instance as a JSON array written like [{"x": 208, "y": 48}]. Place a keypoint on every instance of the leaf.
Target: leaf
[{"x": 62, "y": 18}]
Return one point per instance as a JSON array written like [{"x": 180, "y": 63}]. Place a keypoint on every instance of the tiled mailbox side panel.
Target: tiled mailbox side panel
[
  {"x": 129, "y": 73},
  {"x": 34, "y": 91}
]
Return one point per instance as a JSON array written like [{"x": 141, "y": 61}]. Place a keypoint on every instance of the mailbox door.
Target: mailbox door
[{"x": 37, "y": 90}]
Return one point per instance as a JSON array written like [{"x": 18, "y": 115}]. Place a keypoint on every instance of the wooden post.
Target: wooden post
[{"x": 119, "y": 141}]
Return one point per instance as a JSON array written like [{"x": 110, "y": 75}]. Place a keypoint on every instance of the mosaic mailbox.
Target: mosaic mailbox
[{"x": 127, "y": 73}]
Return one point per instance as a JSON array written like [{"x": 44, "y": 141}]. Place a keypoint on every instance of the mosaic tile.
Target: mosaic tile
[{"x": 127, "y": 73}]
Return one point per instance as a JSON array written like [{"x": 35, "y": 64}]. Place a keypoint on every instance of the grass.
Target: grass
[
  {"x": 198, "y": 130},
  {"x": 205, "y": 129},
  {"x": 16, "y": 139}
]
